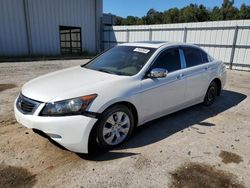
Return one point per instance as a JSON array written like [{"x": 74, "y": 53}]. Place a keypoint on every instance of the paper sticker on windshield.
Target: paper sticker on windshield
[{"x": 141, "y": 50}]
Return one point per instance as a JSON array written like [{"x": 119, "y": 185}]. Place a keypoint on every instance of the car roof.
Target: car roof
[{"x": 156, "y": 44}]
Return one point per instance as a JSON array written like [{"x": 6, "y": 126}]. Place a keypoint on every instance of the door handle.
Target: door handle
[
  {"x": 180, "y": 76},
  {"x": 206, "y": 68}
]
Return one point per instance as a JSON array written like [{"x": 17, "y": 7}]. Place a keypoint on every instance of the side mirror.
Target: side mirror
[{"x": 157, "y": 73}]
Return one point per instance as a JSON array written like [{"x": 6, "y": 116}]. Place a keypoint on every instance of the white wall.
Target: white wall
[
  {"x": 13, "y": 38},
  {"x": 44, "y": 19},
  {"x": 217, "y": 37},
  {"x": 48, "y": 15}
]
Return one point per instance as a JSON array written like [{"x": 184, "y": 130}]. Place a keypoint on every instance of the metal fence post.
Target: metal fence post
[
  {"x": 233, "y": 47},
  {"x": 127, "y": 35},
  {"x": 150, "y": 34},
  {"x": 109, "y": 31},
  {"x": 184, "y": 34},
  {"x": 102, "y": 36}
]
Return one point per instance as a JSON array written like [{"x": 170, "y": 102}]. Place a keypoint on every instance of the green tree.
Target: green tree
[
  {"x": 153, "y": 17},
  {"x": 244, "y": 12},
  {"x": 131, "y": 20},
  {"x": 194, "y": 13},
  {"x": 171, "y": 16},
  {"x": 229, "y": 12},
  {"x": 118, "y": 20},
  {"x": 202, "y": 14},
  {"x": 190, "y": 13},
  {"x": 216, "y": 14}
]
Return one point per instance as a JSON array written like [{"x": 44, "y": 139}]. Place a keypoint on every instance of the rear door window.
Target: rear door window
[
  {"x": 193, "y": 57},
  {"x": 204, "y": 57}
]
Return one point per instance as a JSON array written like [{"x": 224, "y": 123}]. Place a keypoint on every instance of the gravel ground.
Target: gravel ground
[{"x": 211, "y": 143}]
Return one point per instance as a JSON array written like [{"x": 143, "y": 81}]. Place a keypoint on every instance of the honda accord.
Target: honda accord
[{"x": 122, "y": 88}]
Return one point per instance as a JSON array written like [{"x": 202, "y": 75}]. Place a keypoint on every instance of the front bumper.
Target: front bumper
[{"x": 72, "y": 132}]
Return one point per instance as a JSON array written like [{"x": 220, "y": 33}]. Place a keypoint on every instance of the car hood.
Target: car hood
[{"x": 61, "y": 83}]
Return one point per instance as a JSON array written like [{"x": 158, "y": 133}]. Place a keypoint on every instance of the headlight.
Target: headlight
[{"x": 75, "y": 106}]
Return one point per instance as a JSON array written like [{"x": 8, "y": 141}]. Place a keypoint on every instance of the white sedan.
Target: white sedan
[{"x": 124, "y": 87}]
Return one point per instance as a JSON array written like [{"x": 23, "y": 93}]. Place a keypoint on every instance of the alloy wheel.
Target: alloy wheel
[{"x": 116, "y": 128}]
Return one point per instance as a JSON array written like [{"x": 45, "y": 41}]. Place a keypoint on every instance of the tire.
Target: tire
[
  {"x": 114, "y": 127},
  {"x": 211, "y": 94}
]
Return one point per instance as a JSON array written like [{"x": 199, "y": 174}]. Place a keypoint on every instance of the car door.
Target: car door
[
  {"x": 162, "y": 95},
  {"x": 196, "y": 73}
]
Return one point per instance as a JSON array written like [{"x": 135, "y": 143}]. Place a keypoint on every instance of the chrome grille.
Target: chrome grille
[{"x": 26, "y": 105}]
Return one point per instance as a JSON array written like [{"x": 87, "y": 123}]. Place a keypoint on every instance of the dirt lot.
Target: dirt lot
[{"x": 196, "y": 147}]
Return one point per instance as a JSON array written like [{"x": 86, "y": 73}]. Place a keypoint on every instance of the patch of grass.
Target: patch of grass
[
  {"x": 6, "y": 86},
  {"x": 194, "y": 175},
  {"x": 229, "y": 157}
]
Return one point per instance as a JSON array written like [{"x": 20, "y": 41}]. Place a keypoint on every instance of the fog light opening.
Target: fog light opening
[{"x": 54, "y": 136}]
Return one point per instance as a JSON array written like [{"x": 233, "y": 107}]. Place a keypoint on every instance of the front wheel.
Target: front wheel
[
  {"x": 211, "y": 94},
  {"x": 115, "y": 126}
]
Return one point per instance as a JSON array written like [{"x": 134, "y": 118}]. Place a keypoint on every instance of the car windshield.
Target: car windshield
[{"x": 121, "y": 60}]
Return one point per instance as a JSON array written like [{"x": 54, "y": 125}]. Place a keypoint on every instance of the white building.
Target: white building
[{"x": 49, "y": 27}]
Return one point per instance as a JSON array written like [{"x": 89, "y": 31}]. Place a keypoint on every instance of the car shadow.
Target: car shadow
[{"x": 168, "y": 125}]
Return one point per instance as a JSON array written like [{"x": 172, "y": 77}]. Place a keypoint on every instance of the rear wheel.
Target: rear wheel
[
  {"x": 115, "y": 126},
  {"x": 211, "y": 94}
]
